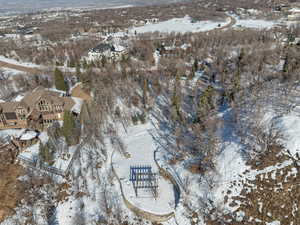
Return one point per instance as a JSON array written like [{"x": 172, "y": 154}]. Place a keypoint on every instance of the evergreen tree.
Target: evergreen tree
[
  {"x": 286, "y": 64},
  {"x": 84, "y": 64},
  {"x": 78, "y": 71},
  {"x": 205, "y": 103},
  {"x": 176, "y": 100},
  {"x": 103, "y": 61},
  {"x": 237, "y": 76},
  {"x": 71, "y": 63},
  {"x": 59, "y": 80},
  {"x": 195, "y": 66},
  {"x": 45, "y": 153},
  {"x": 69, "y": 130},
  {"x": 145, "y": 92}
]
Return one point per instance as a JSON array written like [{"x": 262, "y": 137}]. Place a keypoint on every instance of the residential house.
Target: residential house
[
  {"x": 26, "y": 139},
  {"x": 168, "y": 52},
  {"x": 294, "y": 14},
  {"x": 25, "y": 30},
  {"x": 37, "y": 110},
  {"x": 152, "y": 20},
  {"x": 109, "y": 51}
]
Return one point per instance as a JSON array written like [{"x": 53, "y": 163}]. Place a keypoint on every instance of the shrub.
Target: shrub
[
  {"x": 143, "y": 117},
  {"x": 135, "y": 119}
]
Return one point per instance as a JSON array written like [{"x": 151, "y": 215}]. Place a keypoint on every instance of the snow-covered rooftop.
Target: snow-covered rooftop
[
  {"x": 295, "y": 10},
  {"x": 78, "y": 105},
  {"x": 28, "y": 135}
]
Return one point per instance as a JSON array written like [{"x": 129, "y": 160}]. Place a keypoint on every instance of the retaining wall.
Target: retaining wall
[{"x": 167, "y": 175}]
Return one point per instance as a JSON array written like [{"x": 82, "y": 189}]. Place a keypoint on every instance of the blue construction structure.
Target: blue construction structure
[{"x": 142, "y": 177}]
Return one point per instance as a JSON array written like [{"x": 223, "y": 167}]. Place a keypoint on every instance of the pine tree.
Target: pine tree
[
  {"x": 46, "y": 155},
  {"x": 286, "y": 64},
  {"x": 78, "y": 71},
  {"x": 84, "y": 64},
  {"x": 195, "y": 66},
  {"x": 103, "y": 61},
  {"x": 59, "y": 80},
  {"x": 237, "y": 76},
  {"x": 176, "y": 100},
  {"x": 69, "y": 128},
  {"x": 145, "y": 92},
  {"x": 205, "y": 103}
]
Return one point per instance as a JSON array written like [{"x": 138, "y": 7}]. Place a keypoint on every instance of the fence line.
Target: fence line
[
  {"x": 75, "y": 155},
  {"x": 41, "y": 166}
]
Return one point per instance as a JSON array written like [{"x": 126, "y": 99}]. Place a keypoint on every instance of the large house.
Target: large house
[
  {"x": 294, "y": 14},
  {"x": 38, "y": 109},
  {"x": 109, "y": 51}
]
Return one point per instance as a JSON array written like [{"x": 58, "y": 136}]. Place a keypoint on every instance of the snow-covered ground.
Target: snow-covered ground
[
  {"x": 15, "y": 62},
  {"x": 9, "y": 72},
  {"x": 11, "y": 132},
  {"x": 179, "y": 25},
  {"x": 62, "y": 160},
  {"x": 141, "y": 146},
  {"x": 289, "y": 125},
  {"x": 251, "y": 23}
]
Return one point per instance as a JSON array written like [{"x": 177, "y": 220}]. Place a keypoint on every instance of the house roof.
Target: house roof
[
  {"x": 103, "y": 47},
  {"x": 9, "y": 106},
  {"x": 28, "y": 135},
  {"x": 77, "y": 106},
  {"x": 10, "y": 116},
  {"x": 31, "y": 99},
  {"x": 69, "y": 103}
]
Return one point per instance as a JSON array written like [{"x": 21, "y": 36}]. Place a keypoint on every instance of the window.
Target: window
[{"x": 43, "y": 106}]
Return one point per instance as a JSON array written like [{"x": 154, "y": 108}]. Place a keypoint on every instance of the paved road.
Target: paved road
[
  {"x": 31, "y": 70},
  {"x": 229, "y": 25},
  {"x": 25, "y": 69}
]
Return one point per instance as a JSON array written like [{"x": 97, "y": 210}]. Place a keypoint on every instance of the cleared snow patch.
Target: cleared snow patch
[
  {"x": 141, "y": 146},
  {"x": 259, "y": 24},
  {"x": 274, "y": 223},
  {"x": 32, "y": 152},
  {"x": 179, "y": 25},
  {"x": 230, "y": 165}
]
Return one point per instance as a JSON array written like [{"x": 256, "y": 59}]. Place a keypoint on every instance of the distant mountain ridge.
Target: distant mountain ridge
[{"x": 28, "y": 6}]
